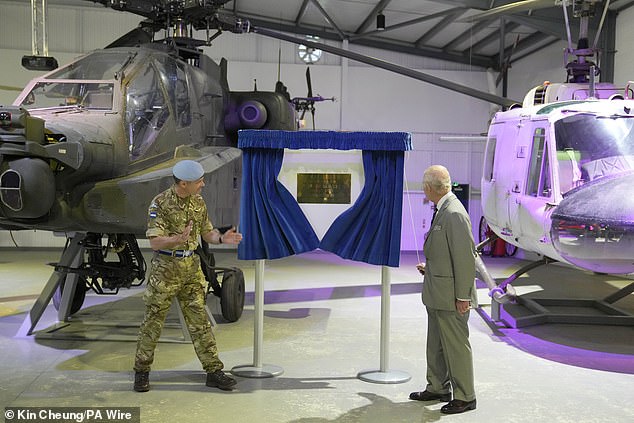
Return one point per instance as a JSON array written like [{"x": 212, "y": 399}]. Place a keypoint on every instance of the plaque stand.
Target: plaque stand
[
  {"x": 383, "y": 375},
  {"x": 257, "y": 369}
]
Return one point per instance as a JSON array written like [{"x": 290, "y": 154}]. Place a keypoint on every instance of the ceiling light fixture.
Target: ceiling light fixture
[{"x": 380, "y": 21}]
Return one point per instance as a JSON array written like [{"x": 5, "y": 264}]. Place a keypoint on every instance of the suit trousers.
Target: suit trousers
[{"x": 449, "y": 357}]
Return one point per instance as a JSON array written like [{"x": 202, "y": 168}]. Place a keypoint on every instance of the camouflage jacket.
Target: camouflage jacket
[{"x": 169, "y": 214}]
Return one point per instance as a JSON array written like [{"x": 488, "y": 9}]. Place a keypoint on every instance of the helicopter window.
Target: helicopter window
[
  {"x": 63, "y": 94},
  {"x": 489, "y": 159},
  {"x": 539, "y": 179},
  {"x": 175, "y": 81},
  {"x": 146, "y": 112},
  {"x": 98, "y": 65},
  {"x": 590, "y": 147}
]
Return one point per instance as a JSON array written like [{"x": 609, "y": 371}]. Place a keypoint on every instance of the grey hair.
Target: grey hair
[{"x": 437, "y": 177}]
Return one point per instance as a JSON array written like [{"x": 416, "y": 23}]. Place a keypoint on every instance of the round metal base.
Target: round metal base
[
  {"x": 249, "y": 370},
  {"x": 390, "y": 376}
]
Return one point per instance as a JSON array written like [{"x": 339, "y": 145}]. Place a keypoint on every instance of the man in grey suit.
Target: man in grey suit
[{"x": 448, "y": 294}]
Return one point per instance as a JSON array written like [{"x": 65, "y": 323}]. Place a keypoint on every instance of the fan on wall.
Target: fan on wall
[{"x": 309, "y": 55}]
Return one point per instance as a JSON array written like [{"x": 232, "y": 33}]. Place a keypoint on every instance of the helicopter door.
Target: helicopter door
[
  {"x": 498, "y": 186},
  {"x": 528, "y": 210}
]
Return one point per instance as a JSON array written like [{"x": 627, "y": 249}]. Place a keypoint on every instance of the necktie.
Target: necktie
[{"x": 431, "y": 224}]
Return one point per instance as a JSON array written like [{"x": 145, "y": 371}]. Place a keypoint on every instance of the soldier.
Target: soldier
[{"x": 177, "y": 217}]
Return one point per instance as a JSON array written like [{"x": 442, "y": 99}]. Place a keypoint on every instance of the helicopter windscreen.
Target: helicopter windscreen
[
  {"x": 93, "y": 95},
  {"x": 155, "y": 93},
  {"x": 101, "y": 65},
  {"x": 590, "y": 147},
  {"x": 80, "y": 83}
]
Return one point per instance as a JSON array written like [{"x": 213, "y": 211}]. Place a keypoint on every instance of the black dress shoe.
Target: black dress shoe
[
  {"x": 429, "y": 396},
  {"x": 458, "y": 406}
]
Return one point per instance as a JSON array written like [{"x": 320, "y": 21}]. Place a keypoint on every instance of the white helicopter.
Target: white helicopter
[{"x": 558, "y": 179}]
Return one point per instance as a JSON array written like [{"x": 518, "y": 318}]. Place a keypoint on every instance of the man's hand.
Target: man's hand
[
  {"x": 421, "y": 268},
  {"x": 184, "y": 236},
  {"x": 231, "y": 237},
  {"x": 462, "y": 306}
]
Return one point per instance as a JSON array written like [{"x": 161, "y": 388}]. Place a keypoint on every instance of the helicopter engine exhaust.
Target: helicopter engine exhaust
[
  {"x": 27, "y": 188},
  {"x": 252, "y": 114}
]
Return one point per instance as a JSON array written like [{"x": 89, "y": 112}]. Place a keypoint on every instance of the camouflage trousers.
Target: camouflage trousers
[{"x": 179, "y": 278}]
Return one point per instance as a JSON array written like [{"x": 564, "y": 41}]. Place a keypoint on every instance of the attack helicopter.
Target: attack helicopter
[
  {"x": 85, "y": 148},
  {"x": 557, "y": 180}
]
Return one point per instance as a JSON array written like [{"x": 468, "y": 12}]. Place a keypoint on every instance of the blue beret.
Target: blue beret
[{"x": 188, "y": 170}]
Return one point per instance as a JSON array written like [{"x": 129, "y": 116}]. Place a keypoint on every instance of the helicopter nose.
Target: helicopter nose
[
  {"x": 27, "y": 188},
  {"x": 593, "y": 226}
]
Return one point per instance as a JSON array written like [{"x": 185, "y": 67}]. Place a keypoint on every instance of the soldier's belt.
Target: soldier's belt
[{"x": 176, "y": 253}]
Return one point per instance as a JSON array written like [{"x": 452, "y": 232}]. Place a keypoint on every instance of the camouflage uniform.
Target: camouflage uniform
[{"x": 179, "y": 277}]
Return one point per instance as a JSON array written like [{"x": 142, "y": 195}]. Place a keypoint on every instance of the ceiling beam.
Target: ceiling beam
[
  {"x": 526, "y": 43},
  {"x": 442, "y": 24},
  {"x": 407, "y": 48},
  {"x": 329, "y": 19},
  {"x": 620, "y": 5},
  {"x": 547, "y": 27},
  {"x": 300, "y": 14},
  {"x": 494, "y": 36},
  {"x": 534, "y": 48},
  {"x": 402, "y": 24},
  {"x": 466, "y": 35}
]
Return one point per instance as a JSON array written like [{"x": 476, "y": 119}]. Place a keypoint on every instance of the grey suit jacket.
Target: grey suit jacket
[{"x": 450, "y": 258}]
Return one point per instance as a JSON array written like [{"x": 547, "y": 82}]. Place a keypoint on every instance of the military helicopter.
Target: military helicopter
[
  {"x": 558, "y": 176},
  {"x": 85, "y": 148}
]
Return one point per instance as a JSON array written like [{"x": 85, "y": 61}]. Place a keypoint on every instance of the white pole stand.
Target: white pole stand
[
  {"x": 383, "y": 375},
  {"x": 257, "y": 369}
]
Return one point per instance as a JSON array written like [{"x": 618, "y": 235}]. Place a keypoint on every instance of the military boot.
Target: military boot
[
  {"x": 142, "y": 381},
  {"x": 220, "y": 380}
]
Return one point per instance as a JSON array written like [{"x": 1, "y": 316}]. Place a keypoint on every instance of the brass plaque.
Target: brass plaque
[{"x": 323, "y": 188}]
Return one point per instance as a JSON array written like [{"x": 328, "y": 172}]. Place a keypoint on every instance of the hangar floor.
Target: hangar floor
[{"x": 322, "y": 326}]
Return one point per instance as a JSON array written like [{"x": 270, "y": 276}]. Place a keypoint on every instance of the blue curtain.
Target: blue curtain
[
  {"x": 274, "y": 225},
  {"x": 272, "y": 222},
  {"x": 370, "y": 231}
]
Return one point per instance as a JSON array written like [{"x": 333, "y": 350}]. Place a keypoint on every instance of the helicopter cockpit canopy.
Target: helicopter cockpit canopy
[
  {"x": 86, "y": 83},
  {"x": 590, "y": 147},
  {"x": 151, "y": 86},
  {"x": 154, "y": 93},
  {"x": 87, "y": 95}
]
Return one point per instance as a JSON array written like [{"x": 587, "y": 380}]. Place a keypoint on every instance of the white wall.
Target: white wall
[
  {"x": 531, "y": 71},
  {"x": 624, "y": 61}
]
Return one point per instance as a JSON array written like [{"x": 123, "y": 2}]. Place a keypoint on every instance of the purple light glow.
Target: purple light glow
[{"x": 573, "y": 356}]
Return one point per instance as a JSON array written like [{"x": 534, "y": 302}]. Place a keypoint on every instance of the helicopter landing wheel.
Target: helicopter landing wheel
[
  {"x": 483, "y": 233},
  {"x": 78, "y": 297},
  {"x": 232, "y": 295}
]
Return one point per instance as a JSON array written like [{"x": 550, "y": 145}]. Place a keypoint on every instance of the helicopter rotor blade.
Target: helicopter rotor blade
[
  {"x": 10, "y": 88},
  {"x": 309, "y": 83}
]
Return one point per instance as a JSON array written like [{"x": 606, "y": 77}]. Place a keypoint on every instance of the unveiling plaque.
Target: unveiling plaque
[{"x": 323, "y": 188}]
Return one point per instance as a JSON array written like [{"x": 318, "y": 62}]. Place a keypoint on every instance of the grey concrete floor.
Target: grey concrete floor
[{"x": 322, "y": 326}]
